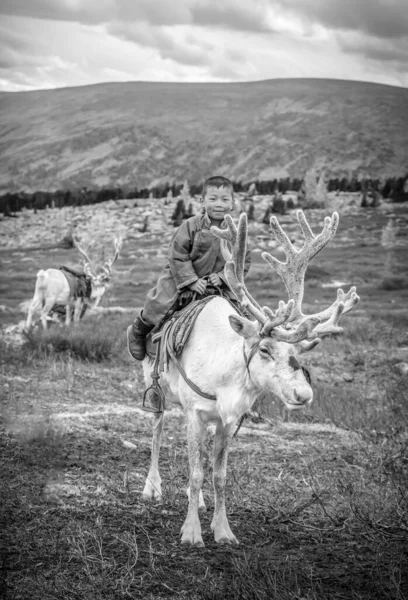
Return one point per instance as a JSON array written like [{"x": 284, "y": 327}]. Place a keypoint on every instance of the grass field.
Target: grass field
[{"x": 318, "y": 501}]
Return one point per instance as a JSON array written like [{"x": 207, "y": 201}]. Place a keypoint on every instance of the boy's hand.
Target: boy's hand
[
  {"x": 215, "y": 279},
  {"x": 198, "y": 286}
]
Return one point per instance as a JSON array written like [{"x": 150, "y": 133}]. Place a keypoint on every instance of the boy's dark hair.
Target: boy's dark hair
[{"x": 217, "y": 181}]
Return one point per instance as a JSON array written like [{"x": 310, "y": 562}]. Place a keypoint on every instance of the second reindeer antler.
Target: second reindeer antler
[
  {"x": 88, "y": 268},
  {"x": 107, "y": 267}
]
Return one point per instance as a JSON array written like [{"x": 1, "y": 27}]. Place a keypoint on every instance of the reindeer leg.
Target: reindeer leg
[
  {"x": 201, "y": 504},
  {"x": 45, "y": 310},
  {"x": 191, "y": 529},
  {"x": 152, "y": 489},
  {"x": 68, "y": 315},
  {"x": 77, "y": 310},
  {"x": 34, "y": 306},
  {"x": 220, "y": 525}
]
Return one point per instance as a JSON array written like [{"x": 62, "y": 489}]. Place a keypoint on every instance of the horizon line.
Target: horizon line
[{"x": 205, "y": 83}]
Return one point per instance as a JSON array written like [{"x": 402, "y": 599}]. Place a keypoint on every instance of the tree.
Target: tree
[
  {"x": 309, "y": 186},
  {"x": 185, "y": 192},
  {"x": 321, "y": 191},
  {"x": 252, "y": 191},
  {"x": 179, "y": 213}
]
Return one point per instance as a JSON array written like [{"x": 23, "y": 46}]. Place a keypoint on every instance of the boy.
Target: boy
[{"x": 194, "y": 257}]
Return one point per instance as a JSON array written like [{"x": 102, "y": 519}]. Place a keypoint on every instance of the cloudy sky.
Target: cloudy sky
[{"x": 56, "y": 43}]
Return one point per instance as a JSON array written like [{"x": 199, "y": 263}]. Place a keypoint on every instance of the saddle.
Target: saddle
[
  {"x": 171, "y": 339},
  {"x": 79, "y": 283},
  {"x": 179, "y": 321},
  {"x": 169, "y": 342}
]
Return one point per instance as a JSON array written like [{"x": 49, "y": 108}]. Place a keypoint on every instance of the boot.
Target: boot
[{"x": 136, "y": 337}]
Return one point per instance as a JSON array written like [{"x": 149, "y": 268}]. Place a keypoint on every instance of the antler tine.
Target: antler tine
[
  {"x": 275, "y": 319},
  {"x": 234, "y": 267},
  {"x": 343, "y": 304},
  {"x": 107, "y": 267},
  {"x": 349, "y": 301},
  {"x": 293, "y": 270},
  {"x": 327, "y": 320},
  {"x": 88, "y": 267},
  {"x": 304, "y": 331}
]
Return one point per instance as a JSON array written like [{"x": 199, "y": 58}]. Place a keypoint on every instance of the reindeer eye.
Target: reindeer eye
[{"x": 264, "y": 352}]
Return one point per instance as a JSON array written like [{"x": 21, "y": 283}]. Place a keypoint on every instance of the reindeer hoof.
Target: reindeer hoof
[
  {"x": 191, "y": 535},
  {"x": 198, "y": 543},
  {"x": 230, "y": 541},
  {"x": 152, "y": 492}
]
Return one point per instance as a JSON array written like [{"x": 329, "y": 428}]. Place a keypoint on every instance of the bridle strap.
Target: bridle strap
[{"x": 249, "y": 357}]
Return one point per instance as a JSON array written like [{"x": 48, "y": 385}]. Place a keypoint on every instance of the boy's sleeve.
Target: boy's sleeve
[{"x": 180, "y": 247}]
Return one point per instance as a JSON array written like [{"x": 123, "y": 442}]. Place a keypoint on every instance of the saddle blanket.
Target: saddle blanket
[{"x": 79, "y": 283}]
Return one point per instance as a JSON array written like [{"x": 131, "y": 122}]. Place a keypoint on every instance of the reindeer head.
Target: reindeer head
[
  {"x": 101, "y": 274},
  {"x": 273, "y": 340}
]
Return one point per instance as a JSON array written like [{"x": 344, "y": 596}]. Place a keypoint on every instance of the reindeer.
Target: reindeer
[
  {"x": 53, "y": 288},
  {"x": 235, "y": 359}
]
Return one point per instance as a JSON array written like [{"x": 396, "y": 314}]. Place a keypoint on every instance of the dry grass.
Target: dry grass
[
  {"x": 319, "y": 504},
  {"x": 318, "y": 501}
]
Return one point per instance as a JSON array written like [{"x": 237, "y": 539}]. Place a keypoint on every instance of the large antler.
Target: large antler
[
  {"x": 88, "y": 268},
  {"x": 107, "y": 267},
  {"x": 288, "y": 323},
  {"x": 293, "y": 273},
  {"x": 233, "y": 247}
]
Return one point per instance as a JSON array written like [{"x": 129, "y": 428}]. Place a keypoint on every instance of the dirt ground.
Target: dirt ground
[{"x": 318, "y": 502}]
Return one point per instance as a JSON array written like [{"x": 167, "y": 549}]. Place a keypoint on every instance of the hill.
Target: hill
[{"x": 141, "y": 134}]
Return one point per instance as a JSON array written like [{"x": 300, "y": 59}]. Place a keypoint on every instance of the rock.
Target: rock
[
  {"x": 402, "y": 353},
  {"x": 402, "y": 368},
  {"x": 129, "y": 445}
]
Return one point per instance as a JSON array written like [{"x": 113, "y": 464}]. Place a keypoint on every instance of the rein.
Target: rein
[
  {"x": 188, "y": 381},
  {"x": 157, "y": 393},
  {"x": 192, "y": 385}
]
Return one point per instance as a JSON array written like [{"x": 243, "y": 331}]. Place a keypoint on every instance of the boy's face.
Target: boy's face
[{"x": 218, "y": 202}]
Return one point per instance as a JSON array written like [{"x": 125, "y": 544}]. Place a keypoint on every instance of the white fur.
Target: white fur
[
  {"x": 52, "y": 288},
  {"x": 214, "y": 360}
]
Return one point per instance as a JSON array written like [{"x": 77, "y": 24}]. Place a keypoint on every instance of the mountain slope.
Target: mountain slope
[{"x": 137, "y": 134}]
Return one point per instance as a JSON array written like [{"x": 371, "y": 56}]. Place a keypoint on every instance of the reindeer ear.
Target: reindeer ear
[{"x": 243, "y": 326}]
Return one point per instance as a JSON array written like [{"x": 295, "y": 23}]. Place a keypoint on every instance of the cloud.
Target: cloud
[
  {"x": 83, "y": 11},
  {"x": 242, "y": 16},
  {"x": 17, "y": 50},
  {"x": 168, "y": 44},
  {"x": 384, "y": 19},
  {"x": 78, "y": 42},
  {"x": 387, "y": 19},
  {"x": 383, "y": 50},
  {"x": 246, "y": 15}
]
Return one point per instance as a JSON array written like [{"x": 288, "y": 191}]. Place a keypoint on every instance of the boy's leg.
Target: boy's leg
[
  {"x": 136, "y": 337},
  {"x": 159, "y": 300}
]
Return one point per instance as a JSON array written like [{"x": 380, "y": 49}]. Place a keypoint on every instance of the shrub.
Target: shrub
[
  {"x": 394, "y": 282},
  {"x": 279, "y": 205},
  {"x": 93, "y": 340},
  {"x": 74, "y": 341}
]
